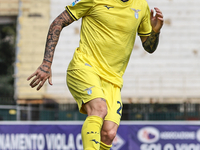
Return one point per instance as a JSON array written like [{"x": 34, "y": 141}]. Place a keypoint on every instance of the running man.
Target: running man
[{"x": 94, "y": 75}]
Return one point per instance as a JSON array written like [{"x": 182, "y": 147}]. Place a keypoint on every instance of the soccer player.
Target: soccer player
[{"x": 94, "y": 75}]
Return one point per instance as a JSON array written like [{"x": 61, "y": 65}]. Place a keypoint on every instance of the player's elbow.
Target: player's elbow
[
  {"x": 149, "y": 49},
  {"x": 150, "y": 46}
]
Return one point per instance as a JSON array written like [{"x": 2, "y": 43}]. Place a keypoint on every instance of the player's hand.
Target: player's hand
[
  {"x": 157, "y": 20},
  {"x": 40, "y": 76}
]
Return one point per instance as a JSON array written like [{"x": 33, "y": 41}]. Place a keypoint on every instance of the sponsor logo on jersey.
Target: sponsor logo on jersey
[
  {"x": 108, "y": 7},
  {"x": 136, "y": 12},
  {"x": 148, "y": 135},
  {"x": 96, "y": 142},
  {"x": 75, "y": 2}
]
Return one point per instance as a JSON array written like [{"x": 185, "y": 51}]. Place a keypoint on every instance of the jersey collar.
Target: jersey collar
[{"x": 124, "y": 3}]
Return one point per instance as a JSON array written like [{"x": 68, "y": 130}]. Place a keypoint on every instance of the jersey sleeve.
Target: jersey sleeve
[
  {"x": 79, "y": 8},
  {"x": 145, "y": 25}
]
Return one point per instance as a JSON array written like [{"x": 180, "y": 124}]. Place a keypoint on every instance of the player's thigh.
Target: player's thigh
[{"x": 84, "y": 86}]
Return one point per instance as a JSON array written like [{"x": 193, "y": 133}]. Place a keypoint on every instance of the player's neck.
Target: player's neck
[{"x": 124, "y": 0}]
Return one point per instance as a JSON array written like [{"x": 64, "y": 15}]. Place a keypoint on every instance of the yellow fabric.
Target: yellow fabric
[
  {"x": 108, "y": 32},
  {"x": 103, "y": 146},
  {"x": 85, "y": 85},
  {"x": 91, "y": 133}
]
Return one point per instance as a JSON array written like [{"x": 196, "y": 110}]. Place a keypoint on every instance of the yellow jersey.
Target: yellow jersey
[{"x": 108, "y": 32}]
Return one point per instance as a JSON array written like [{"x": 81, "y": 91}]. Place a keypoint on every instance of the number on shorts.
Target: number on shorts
[{"x": 120, "y": 108}]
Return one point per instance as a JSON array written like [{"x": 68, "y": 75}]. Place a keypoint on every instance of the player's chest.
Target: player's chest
[{"x": 117, "y": 17}]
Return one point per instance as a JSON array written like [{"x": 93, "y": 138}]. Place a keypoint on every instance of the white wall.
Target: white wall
[{"x": 171, "y": 74}]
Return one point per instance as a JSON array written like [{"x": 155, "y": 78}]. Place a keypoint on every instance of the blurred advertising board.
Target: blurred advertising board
[{"x": 131, "y": 136}]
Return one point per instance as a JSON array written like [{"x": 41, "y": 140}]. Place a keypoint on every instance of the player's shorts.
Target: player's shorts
[{"x": 85, "y": 85}]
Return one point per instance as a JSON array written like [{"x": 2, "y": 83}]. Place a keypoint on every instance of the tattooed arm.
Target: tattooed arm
[
  {"x": 64, "y": 19},
  {"x": 150, "y": 43},
  {"x": 44, "y": 70}
]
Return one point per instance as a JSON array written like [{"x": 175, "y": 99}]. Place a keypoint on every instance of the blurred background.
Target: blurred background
[{"x": 164, "y": 85}]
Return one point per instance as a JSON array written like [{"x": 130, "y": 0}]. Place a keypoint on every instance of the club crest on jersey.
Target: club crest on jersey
[
  {"x": 136, "y": 12},
  {"x": 75, "y": 2},
  {"x": 89, "y": 90}
]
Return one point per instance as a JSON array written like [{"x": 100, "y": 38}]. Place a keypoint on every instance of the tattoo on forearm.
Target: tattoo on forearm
[
  {"x": 46, "y": 66},
  {"x": 47, "y": 60},
  {"x": 58, "y": 24},
  {"x": 151, "y": 43},
  {"x": 44, "y": 70}
]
